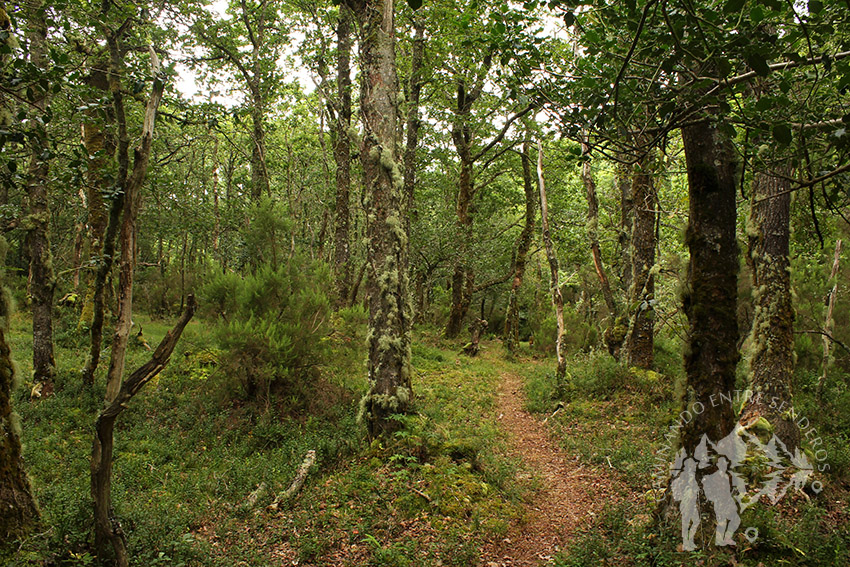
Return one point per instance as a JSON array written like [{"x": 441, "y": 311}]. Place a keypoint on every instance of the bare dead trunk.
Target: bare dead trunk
[
  {"x": 107, "y": 528},
  {"x": 18, "y": 511},
  {"x": 640, "y": 341},
  {"x": 342, "y": 157},
  {"x": 127, "y": 234},
  {"x": 554, "y": 276},
  {"x": 772, "y": 338},
  {"x": 37, "y": 222},
  {"x": 384, "y": 203},
  {"x": 523, "y": 246},
  {"x": 829, "y": 322}
]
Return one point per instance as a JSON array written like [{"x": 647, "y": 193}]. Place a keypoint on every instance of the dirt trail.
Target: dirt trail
[{"x": 571, "y": 493}]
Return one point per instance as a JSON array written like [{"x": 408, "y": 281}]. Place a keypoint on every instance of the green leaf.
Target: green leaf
[
  {"x": 733, "y": 6},
  {"x": 757, "y": 63},
  {"x": 815, "y": 6},
  {"x": 414, "y": 4},
  {"x": 782, "y": 134},
  {"x": 12, "y": 165}
]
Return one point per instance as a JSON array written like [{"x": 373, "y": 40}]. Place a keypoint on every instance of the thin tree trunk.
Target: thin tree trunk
[
  {"x": 615, "y": 333},
  {"x": 463, "y": 277},
  {"x": 772, "y": 338},
  {"x": 640, "y": 341},
  {"x": 828, "y": 321},
  {"x": 593, "y": 231},
  {"x": 18, "y": 511},
  {"x": 127, "y": 235},
  {"x": 711, "y": 353},
  {"x": 554, "y": 276},
  {"x": 523, "y": 246},
  {"x": 37, "y": 223},
  {"x": 415, "y": 83},
  {"x": 384, "y": 202},
  {"x": 342, "y": 157},
  {"x": 100, "y": 149},
  {"x": 108, "y": 532},
  {"x": 624, "y": 238}
]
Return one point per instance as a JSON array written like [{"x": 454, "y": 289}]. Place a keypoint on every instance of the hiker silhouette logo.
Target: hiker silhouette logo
[{"x": 716, "y": 474}]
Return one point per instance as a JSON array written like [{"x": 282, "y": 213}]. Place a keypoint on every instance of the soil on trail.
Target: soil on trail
[{"x": 571, "y": 494}]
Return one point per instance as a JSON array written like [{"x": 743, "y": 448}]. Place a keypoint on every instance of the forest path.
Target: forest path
[{"x": 571, "y": 493}]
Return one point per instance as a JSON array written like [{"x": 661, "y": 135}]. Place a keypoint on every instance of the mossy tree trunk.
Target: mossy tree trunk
[
  {"x": 18, "y": 511},
  {"x": 523, "y": 246},
  {"x": 384, "y": 204},
  {"x": 37, "y": 223},
  {"x": 640, "y": 341},
  {"x": 342, "y": 157},
  {"x": 554, "y": 277},
  {"x": 772, "y": 336},
  {"x": 711, "y": 352}
]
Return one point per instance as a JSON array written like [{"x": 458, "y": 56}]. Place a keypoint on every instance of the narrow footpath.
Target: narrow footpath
[{"x": 570, "y": 495}]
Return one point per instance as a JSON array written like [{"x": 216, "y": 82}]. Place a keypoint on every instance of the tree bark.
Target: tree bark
[
  {"x": 107, "y": 528},
  {"x": 554, "y": 276},
  {"x": 711, "y": 353},
  {"x": 37, "y": 223},
  {"x": 18, "y": 511},
  {"x": 342, "y": 157},
  {"x": 772, "y": 337},
  {"x": 523, "y": 246},
  {"x": 640, "y": 340},
  {"x": 384, "y": 203}
]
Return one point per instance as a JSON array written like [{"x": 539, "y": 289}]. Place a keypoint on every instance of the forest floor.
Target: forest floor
[
  {"x": 570, "y": 495},
  {"x": 485, "y": 472}
]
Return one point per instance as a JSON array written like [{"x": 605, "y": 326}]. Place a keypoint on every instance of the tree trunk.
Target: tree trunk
[
  {"x": 829, "y": 322},
  {"x": 342, "y": 157},
  {"x": 107, "y": 528},
  {"x": 18, "y": 511},
  {"x": 554, "y": 276},
  {"x": 711, "y": 353},
  {"x": 37, "y": 222},
  {"x": 384, "y": 203},
  {"x": 641, "y": 330},
  {"x": 772, "y": 338},
  {"x": 523, "y": 246}
]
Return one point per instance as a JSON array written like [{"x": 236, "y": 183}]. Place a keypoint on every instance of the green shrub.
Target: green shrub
[{"x": 274, "y": 328}]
